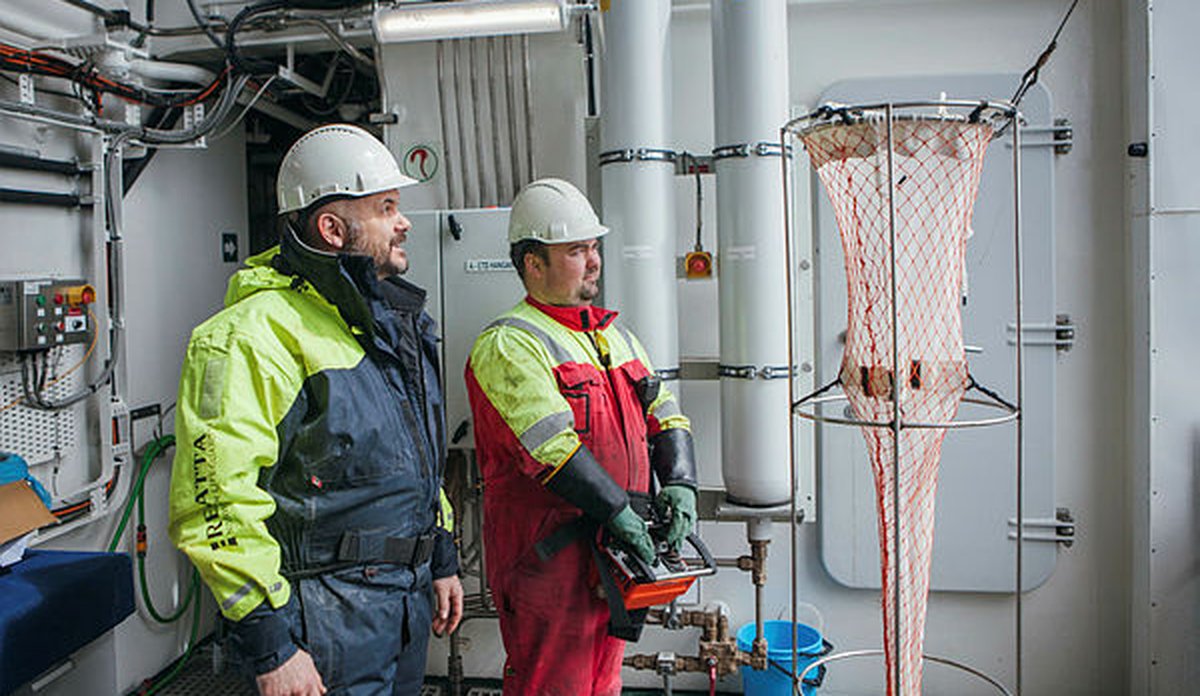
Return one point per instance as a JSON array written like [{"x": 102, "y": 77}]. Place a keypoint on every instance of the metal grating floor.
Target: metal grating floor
[{"x": 198, "y": 679}]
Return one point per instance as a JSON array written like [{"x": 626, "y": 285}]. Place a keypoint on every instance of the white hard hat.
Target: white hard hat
[
  {"x": 335, "y": 160},
  {"x": 553, "y": 211}
]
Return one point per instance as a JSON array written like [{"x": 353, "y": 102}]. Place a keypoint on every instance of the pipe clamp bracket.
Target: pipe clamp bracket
[
  {"x": 641, "y": 154},
  {"x": 761, "y": 149},
  {"x": 754, "y": 372}
]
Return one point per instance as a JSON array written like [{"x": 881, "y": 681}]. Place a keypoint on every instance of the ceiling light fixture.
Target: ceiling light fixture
[{"x": 427, "y": 21}]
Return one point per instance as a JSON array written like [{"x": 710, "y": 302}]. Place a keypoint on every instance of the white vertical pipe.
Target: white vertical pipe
[
  {"x": 639, "y": 202},
  {"x": 750, "y": 89}
]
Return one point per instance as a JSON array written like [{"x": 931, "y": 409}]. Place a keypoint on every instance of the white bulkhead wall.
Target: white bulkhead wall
[
  {"x": 1077, "y": 624},
  {"x": 174, "y": 219}
]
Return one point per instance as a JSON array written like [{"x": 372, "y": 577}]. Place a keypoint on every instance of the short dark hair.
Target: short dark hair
[
  {"x": 518, "y": 250},
  {"x": 304, "y": 221}
]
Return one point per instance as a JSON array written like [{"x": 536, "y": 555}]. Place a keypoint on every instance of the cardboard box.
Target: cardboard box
[{"x": 21, "y": 511}]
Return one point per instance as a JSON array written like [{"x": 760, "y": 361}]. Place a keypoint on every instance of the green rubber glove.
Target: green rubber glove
[
  {"x": 680, "y": 502},
  {"x": 630, "y": 528}
]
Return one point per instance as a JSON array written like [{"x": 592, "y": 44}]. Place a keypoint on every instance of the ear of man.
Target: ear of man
[
  {"x": 330, "y": 229},
  {"x": 329, "y": 225},
  {"x": 535, "y": 265}
]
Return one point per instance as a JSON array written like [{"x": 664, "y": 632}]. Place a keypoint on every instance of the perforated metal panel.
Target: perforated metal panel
[{"x": 40, "y": 436}]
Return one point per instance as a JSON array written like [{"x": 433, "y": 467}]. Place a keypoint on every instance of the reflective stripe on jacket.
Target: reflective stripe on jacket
[
  {"x": 542, "y": 381},
  {"x": 307, "y": 410}
]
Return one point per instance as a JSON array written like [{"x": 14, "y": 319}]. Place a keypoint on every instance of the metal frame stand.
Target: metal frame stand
[{"x": 1003, "y": 115}]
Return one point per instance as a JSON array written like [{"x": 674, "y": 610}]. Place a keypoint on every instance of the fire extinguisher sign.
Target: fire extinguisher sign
[{"x": 420, "y": 162}]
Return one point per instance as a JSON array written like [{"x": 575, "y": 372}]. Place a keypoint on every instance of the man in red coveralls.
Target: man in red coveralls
[{"x": 569, "y": 422}]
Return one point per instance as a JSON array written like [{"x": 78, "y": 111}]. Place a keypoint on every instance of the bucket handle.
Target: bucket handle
[
  {"x": 815, "y": 681},
  {"x": 817, "y": 621}
]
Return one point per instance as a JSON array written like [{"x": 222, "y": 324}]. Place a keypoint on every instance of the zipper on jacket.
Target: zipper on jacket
[
  {"x": 606, "y": 361},
  {"x": 423, "y": 395}
]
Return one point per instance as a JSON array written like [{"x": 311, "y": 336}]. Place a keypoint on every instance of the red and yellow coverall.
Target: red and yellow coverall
[{"x": 545, "y": 382}]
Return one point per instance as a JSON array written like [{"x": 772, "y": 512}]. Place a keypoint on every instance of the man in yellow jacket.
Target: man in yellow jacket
[{"x": 307, "y": 480}]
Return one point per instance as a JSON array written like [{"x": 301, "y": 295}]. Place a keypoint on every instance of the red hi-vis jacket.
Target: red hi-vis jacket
[{"x": 542, "y": 381}]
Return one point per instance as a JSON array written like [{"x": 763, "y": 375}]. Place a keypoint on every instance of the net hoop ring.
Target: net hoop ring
[
  {"x": 1008, "y": 414},
  {"x": 995, "y": 111},
  {"x": 850, "y": 654}
]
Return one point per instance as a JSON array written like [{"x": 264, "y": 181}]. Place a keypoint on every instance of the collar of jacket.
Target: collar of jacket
[
  {"x": 583, "y": 318},
  {"x": 347, "y": 281}
]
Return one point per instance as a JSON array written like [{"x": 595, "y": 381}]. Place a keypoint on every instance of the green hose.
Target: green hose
[
  {"x": 154, "y": 450},
  {"x": 191, "y": 645}
]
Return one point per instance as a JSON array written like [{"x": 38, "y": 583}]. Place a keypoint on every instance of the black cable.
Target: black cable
[
  {"x": 972, "y": 384},
  {"x": 1031, "y": 75},
  {"x": 29, "y": 365},
  {"x": 331, "y": 106},
  {"x": 164, "y": 118},
  {"x": 254, "y": 66},
  {"x": 822, "y": 390},
  {"x": 46, "y": 198},
  {"x": 250, "y": 66},
  {"x": 88, "y": 81},
  {"x": 200, "y": 22},
  {"x": 326, "y": 5},
  {"x": 108, "y": 16},
  {"x": 589, "y": 51},
  {"x": 699, "y": 203},
  {"x": 158, "y": 427},
  {"x": 41, "y": 387}
]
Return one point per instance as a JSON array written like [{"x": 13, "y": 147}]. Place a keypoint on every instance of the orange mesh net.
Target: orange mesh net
[{"x": 937, "y": 163}]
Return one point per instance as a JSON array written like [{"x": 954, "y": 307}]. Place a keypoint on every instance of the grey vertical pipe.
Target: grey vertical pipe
[
  {"x": 503, "y": 194},
  {"x": 477, "y": 123},
  {"x": 527, "y": 83},
  {"x": 444, "y": 108},
  {"x": 750, "y": 95},
  {"x": 793, "y": 531},
  {"x": 1016, "y": 131},
  {"x": 462, "y": 130},
  {"x": 639, "y": 195},
  {"x": 514, "y": 159}
]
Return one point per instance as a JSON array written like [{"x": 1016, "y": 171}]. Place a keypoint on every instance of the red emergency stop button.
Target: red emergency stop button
[
  {"x": 79, "y": 295},
  {"x": 698, "y": 264}
]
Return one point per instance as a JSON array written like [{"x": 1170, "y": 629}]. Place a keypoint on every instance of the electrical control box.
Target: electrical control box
[{"x": 41, "y": 313}]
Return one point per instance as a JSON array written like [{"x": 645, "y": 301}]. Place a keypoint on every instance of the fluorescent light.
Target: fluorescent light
[{"x": 427, "y": 21}]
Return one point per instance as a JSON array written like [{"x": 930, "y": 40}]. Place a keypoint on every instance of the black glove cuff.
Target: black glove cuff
[
  {"x": 263, "y": 637},
  {"x": 582, "y": 482},
  {"x": 445, "y": 555},
  {"x": 673, "y": 458}
]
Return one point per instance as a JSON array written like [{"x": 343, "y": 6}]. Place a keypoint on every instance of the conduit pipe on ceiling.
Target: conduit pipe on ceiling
[
  {"x": 198, "y": 75},
  {"x": 751, "y": 99},
  {"x": 636, "y": 176},
  {"x": 41, "y": 21},
  {"x": 171, "y": 72}
]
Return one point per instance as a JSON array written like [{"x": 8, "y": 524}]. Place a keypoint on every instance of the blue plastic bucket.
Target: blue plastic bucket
[{"x": 776, "y": 680}]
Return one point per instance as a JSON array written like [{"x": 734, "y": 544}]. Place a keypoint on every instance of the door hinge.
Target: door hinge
[
  {"x": 1060, "y": 136},
  {"x": 1060, "y": 334},
  {"x": 1060, "y": 529}
]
